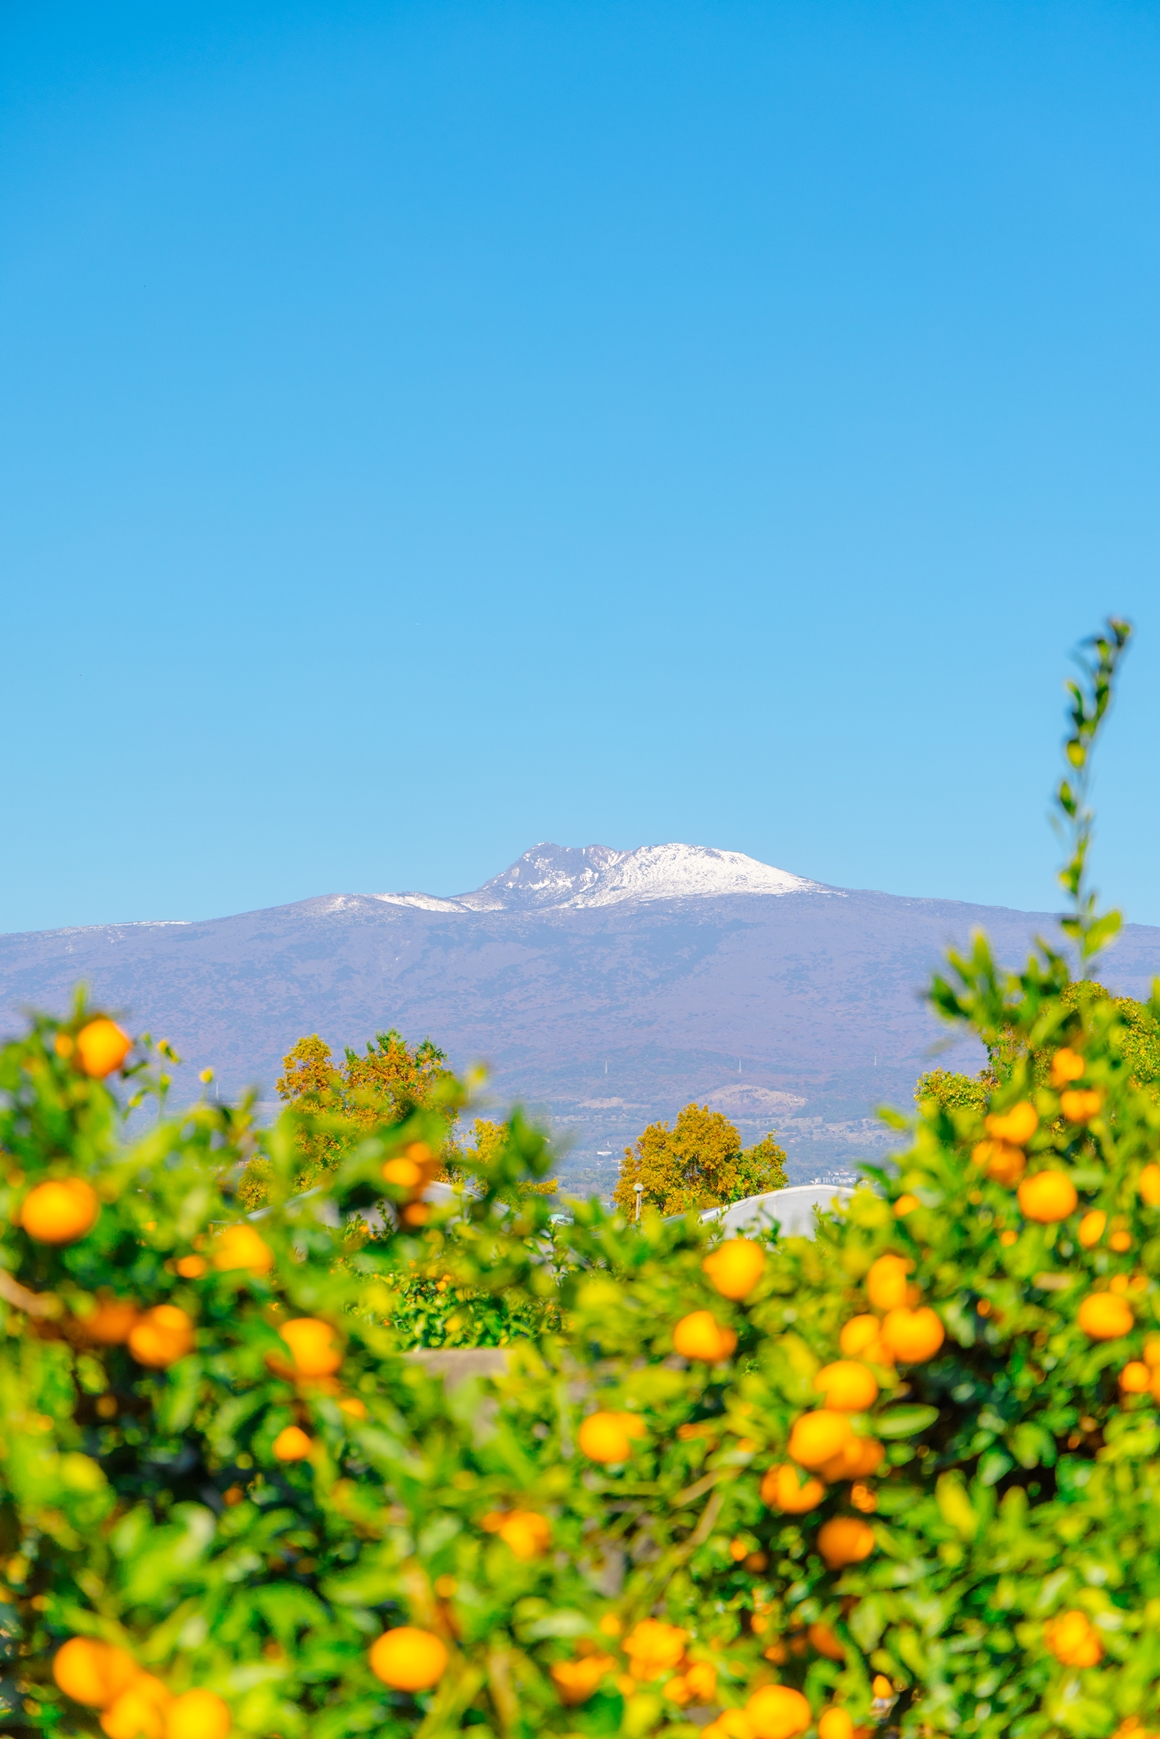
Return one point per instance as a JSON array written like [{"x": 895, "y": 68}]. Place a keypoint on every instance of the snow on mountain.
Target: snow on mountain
[{"x": 559, "y": 877}]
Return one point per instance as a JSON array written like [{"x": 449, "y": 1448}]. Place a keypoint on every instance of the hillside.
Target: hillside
[{"x": 603, "y": 988}]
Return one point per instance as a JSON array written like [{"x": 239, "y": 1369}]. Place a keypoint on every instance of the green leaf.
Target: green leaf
[{"x": 905, "y": 1421}]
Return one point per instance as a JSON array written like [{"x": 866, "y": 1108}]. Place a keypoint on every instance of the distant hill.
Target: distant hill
[{"x": 604, "y": 989}]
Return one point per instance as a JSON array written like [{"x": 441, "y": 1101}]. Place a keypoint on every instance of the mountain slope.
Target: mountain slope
[{"x": 604, "y": 988}]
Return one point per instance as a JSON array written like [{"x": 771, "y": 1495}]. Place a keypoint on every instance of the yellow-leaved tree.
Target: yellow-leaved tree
[{"x": 699, "y": 1163}]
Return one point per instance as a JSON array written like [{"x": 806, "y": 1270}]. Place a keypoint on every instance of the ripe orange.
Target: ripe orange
[
  {"x": 845, "y": 1540},
  {"x": 1016, "y": 1126},
  {"x": 1105, "y": 1316},
  {"x": 824, "y": 1640},
  {"x": 139, "y": 1712},
  {"x": 241, "y": 1247},
  {"x": 408, "y": 1659},
  {"x": 653, "y": 1647},
  {"x": 1002, "y": 1162},
  {"x": 860, "y": 1457},
  {"x": 913, "y": 1335},
  {"x": 1073, "y": 1639},
  {"x": 1081, "y": 1104},
  {"x": 197, "y": 1715},
  {"x": 192, "y": 1267},
  {"x": 886, "y": 1282},
  {"x": 734, "y": 1267},
  {"x": 403, "y": 1172},
  {"x": 1066, "y": 1066},
  {"x": 1047, "y": 1196},
  {"x": 834, "y": 1723},
  {"x": 861, "y": 1339},
  {"x": 312, "y": 1348},
  {"x": 847, "y": 1385},
  {"x": 700, "y": 1336},
  {"x": 781, "y": 1489},
  {"x": 292, "y": 1444},
  {"x": 1152, "y": 1351},
  {"x": 1149, "y": 1185},
  {"x": 93, "y": 1673},
  {"x": 527, "y": 1534},
  {"x": 102, "y": 1047},
  {"x": 818, "y": 1436},
  {"x": 604, "y": 1437},
  {"x": 110, "y": 1323},
  {"x": 353, "y": 1407},
  {"x": 1091, "y": 1228},
  {"x": 577, "y": 1680},
  {"x": 161, "y": 1336},
  {"x": 905, "y": 1204},
  {"x": 1135, "y": 1378},
  {"x": 60, "y": 1211},
  {"x": 777, "y": 1712}
]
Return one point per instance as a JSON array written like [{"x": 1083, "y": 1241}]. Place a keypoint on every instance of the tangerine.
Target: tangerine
[
  {"x": 1066, "y": 1066},
  {"x": 913, "y": 1336},
  {"x": 781, "y": 1489},
  {"x": 1073, "y": 1639},
  {"x": 848, "y": 1385},
  {"x": 60, "y": 1210},
  {"x": 886, "y": 1282},
  {"x": 819, "y": 1435},
  {"x": 1016, "y": 1126},
  {"x": 834, "y": 1723},
  {"x": 577, "y": 1680},
  {"x": 139, "y": 1712},
  {"x": 408, "y": 1659},
  {"x": 1091, "y": 1228},
  {"x": 527, "y": 1533},
  {"x": 102, "y": 1047},
  {"x": 824, "y": 1640},
  {"x": 861, "y": 1457},
  {"x": 1047, "y": 1196},
  {"x": 1149, "y": 1185},
  {"x": 311, "y": 1343},
  {"x": 241, "y": 1247},
  {"x": 93, "y": 1673},
  {"x": 1081, "y": 1104},
  {"x": 845, "y": 1540},
  {"x": 161, "y": 1336},
  {"x": 292, "y": 1444},
  {"x": 197, "y": 1715},
  {"x": 906, "y": 1204},
  {"x": 777, "y": 1712},
  {"x": 110, "y": 1323},
  {"x": 700, "y": 1336},
  {"x": 1135, "y": 1378},
  {"x": 861, "y": 1339},
  {"x": 1105, "y": 1316},
  {"x": 735, "y": 1267},
  {"x": 604, "y": 1437},
  {"x": 1002, "y": 1162}
]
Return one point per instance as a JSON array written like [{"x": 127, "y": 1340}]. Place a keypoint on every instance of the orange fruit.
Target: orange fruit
[
  {"x": 886, "y": 1282},
  {"x": 1091, "y": 1228},
  {"x": 913, "y": 1335},
  {"x": 403, "y": 1172},
  {"x": 834, "y": 1723},
  {"x": 604, "y": 1437},
  {"x": 139, "y": 1712},
  {"x": 527, "y": 1534},
  {"x": 93, "y": 1673},
  {"x": 824, "y": 1640},
  {"x": 700, "y": 1336},
  {"x": 882, "y": 1688},
  {"x": 197, "y": 1715},
  {"x": 577, "y": 1680},
  {"x": 60, "y": 1211},
  {"x": 1016, "y": 1126},
  {"x": 353, "y": 1407},
  {"x": 312, "y": 1348},
  {"x": 735, "y": 1267},
  {"x": 905, "y": 1204},
  {"x": 1073, "y": 1639},
  {"x": 1081, "y": 1104},
  {"x": 192, "y": 1267},
  {"x": 1135, "y": 1378},
  {"x": 845, "y": 1540},
  {"x": 818, "y": 1436},
  {"x": 1149, "y": 1185},
  {"x": 1066, "y": 1066},
  {"x": 110, "y": 1323},
  {"x": 102, "y": 1047},
  {"x": 161, "y": 1336},
  {"x": 861, "y": 1457},
  {"x": 1001, "y": 1161},
  {"x": 781, "y": 1489},
  {"x": 777, "y": 1712},
  {"x": 1104, "y": 1316},
  {"x": 861, "y": 1339},
  {"x": 1152, "y": 1351},
  {"x": 1047, "y": 1196},
  {"x": 701, "y": 1679},
  {"x": 241, "y": 1247},
  {"x": 408, "y": 1659},
  {"x": 292, "y": 1444},
  {"x": 848, "y": 1385},
  {"x": 1120, "y": 1242},
  {"x": 653, "y": 1647}
]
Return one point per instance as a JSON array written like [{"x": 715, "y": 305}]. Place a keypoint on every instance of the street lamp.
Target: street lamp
[{"x": 639, "y": 1188}]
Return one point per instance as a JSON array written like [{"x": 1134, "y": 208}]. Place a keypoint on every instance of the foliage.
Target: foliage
[
  {"x": 699, "y": 1163},
  {"x": 600, "y": 1542},
  {"x": 955, "y": 1092}
]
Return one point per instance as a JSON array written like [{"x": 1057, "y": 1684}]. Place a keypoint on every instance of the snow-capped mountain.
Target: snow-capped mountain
[{"x": 561, "y": 876}]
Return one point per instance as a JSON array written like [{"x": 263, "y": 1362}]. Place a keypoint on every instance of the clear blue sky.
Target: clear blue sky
[{"x": 432, "y": 428}]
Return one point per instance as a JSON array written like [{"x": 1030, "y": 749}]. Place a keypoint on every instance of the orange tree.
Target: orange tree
[{"x": 904, "y": 1474}]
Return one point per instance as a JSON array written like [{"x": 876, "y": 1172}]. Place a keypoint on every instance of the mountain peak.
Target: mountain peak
[{"x": 554, "y": 877}]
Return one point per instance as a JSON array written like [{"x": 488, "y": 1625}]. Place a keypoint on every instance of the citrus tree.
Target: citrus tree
[{"x": 903, "y": 1474}]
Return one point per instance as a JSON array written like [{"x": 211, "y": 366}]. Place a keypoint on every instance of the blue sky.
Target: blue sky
[{"x": 427, "y": 429}]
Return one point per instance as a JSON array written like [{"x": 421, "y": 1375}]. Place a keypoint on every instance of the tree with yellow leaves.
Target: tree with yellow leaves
[{"x": 700, "y": 1163}]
